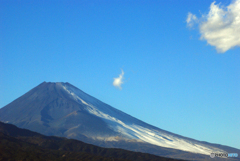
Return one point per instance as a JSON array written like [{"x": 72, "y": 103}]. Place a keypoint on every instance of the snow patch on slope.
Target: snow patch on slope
[
  {"x": 153, "y": 137},
  {"x": 74, "y": 95},
  {"x": 135, "y": 131}
]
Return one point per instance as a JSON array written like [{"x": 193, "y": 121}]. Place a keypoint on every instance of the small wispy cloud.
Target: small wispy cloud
[
  {"x": 221, "y": 26},
  {"x": 191, "y": 19},
  {"x": 117, "y": 82}
]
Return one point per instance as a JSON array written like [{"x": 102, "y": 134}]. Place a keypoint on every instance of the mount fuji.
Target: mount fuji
[{"x": 61, "y": 109}]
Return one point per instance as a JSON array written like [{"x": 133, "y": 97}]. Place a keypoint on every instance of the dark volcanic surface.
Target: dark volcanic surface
[{"x": 48, "y": 109}]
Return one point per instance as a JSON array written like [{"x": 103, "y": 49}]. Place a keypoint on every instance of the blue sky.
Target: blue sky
[{"x": 179, "y": 72}]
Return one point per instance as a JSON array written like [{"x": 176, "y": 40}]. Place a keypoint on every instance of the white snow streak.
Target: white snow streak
[{"x": 135, "y": 131}]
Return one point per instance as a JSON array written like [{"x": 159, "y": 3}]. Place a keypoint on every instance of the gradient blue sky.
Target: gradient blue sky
[{"x": 172, "y": 79}]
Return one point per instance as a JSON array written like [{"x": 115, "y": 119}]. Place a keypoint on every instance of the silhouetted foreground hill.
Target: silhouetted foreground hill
[{"x": 22, "y": 144}]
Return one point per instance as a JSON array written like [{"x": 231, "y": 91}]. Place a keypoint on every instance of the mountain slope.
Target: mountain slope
[
  {"x": 22, "y": 144},
  {"x": 61, "y": 109}
]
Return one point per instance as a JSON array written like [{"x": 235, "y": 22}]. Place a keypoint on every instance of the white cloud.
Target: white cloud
[
  {"x": 191, "y": 19},
  {"x": 118, "y": 81},
  {"x": 221, "y": 26}
]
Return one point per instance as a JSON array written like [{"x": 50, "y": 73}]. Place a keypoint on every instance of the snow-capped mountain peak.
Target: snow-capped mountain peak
[{"x": 62, "y": 109}]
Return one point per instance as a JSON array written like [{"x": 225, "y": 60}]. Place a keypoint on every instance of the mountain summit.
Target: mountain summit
[{"x": 62, "y": 109}]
